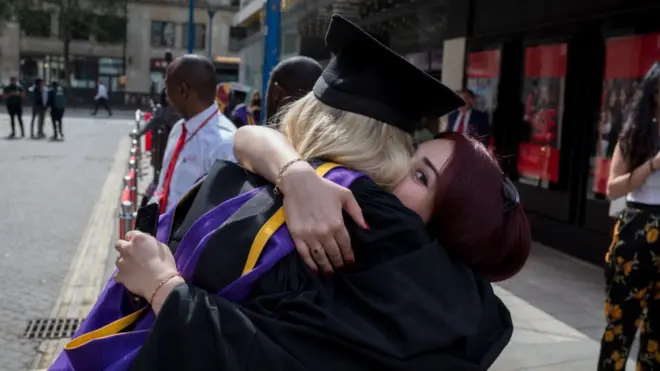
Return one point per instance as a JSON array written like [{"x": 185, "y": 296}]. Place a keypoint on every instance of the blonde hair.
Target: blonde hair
[{"x": 361, "y": 143}]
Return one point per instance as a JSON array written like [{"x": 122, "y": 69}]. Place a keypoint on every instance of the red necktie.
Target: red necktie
[
  {"x": 461, "y": 123},
  {"x": 170, "y": 169}
]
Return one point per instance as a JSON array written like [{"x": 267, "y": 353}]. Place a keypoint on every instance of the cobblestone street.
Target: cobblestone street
[{"x": 49, "y": 190}]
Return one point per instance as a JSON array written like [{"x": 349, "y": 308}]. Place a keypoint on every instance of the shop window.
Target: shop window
[
  {"x": 111, "y": 66},
  {"x": 483, "y": 76},
  {"x": 436, "y": 62},
  {"x": 200, "y": 36},
  {"x": 162, "y": 34},
  {"x": 31, "y": 68},
  {"x": 627, "y": 59},
  {"x": 35, "y": 23},
  {"x": 84, "y": 72},
  {"x": 543, "y": 99}
]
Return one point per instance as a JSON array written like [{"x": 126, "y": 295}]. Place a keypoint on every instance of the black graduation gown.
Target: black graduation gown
[{"x": 404, "y": 305}]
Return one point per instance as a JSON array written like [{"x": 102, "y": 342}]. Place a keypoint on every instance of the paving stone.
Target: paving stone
[{"x": 48, "y": 192}]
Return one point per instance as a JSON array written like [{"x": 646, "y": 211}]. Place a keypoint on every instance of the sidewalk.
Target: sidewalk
[
  {"x": 95, "y": 261},
  {"x": 557, "y": 307}
]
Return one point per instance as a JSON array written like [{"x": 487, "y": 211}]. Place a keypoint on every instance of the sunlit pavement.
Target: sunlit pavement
[
  {"x": 557, "y": 307},
  {"x": 48, "y": 191}
]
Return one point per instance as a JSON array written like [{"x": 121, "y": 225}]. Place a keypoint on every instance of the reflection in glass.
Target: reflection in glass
[{"x": 627, "y": 59}]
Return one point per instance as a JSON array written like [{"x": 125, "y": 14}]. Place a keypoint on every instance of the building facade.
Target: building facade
[
  {"x": 557, "y": 80},
  {"x": 127, "y": 54},
  {"x": 250, "y": 19}
]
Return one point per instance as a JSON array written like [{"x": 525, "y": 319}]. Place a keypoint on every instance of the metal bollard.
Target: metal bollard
[
  {"x": 135, "y": 144},
  {"x": 134, "y": 154},
  {"x": 134, "y": 165},
  {"x": 126, "y": 218},
  {"x": 132, "y": 189}
]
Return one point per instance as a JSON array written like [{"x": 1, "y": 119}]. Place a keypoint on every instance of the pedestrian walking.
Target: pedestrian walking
[
  {"x": 632, "y": 270},
  {"x": 13, "y": 95},
  {"x": 39, "y": 97},
  {"x": 57, "y": 105},
  {"x": 101, "y": 99}
]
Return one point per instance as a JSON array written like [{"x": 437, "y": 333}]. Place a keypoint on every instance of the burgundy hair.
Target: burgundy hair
[{"x": 469, "y": 216}]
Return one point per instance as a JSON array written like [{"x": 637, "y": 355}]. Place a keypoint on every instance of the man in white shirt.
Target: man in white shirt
[
  {"x": 202, "y": 137},
  {"x": 469, "y": 121},
  {"x": 101, "y": 99}
]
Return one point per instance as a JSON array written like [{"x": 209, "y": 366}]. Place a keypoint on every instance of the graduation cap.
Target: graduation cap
[{"x": 368, "y": 78}]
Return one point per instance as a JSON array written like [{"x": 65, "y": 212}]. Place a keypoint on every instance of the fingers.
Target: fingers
[
  {"x": 130, "y": 235},
  {"x": 344, "y": 241},
  {"x": 333, "y": 252},
  {"x": 121, "y": 245},
  {"x": 305, "y": 253},
  {"x": 353, "y": 209},
  {"x": 319, "y": 256}
]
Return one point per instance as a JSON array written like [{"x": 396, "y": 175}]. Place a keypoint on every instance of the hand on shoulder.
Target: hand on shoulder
[{"x": 313, "y": 206}]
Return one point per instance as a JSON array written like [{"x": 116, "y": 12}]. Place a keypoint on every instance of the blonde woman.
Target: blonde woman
[{"x": 403, "y": 305}]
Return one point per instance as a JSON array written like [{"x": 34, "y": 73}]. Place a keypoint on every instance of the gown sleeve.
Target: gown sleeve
[
  {"x": 403, "y": 305},
  {"x": 199, "y": 331}
]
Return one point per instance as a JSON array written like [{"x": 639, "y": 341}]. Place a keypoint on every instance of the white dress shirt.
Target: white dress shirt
[
  {"x": 102, "y": 92},
  {"x": 214, "y": 141},
  {"x": 460, "y": 117},
  {"x": 44, "y": 95}
]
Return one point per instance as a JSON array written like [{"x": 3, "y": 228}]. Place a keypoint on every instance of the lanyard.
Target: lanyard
[{"x": 215, "y": 112}]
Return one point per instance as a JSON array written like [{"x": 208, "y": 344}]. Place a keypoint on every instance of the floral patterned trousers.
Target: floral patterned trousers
[{"x": 632, "y": 274}]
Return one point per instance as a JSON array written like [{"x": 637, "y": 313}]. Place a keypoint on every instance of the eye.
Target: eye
[{"x": 421, "y": 177}]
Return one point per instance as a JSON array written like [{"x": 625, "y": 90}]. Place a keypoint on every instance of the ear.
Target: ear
[{"x": 184, "y": 90}]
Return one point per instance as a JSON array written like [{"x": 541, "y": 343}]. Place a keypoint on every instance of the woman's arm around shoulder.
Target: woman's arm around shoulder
[{"x": 313, "y": 205}]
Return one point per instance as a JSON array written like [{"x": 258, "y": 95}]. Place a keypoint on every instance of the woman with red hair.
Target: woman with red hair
[{"x": 455, "y": 185}]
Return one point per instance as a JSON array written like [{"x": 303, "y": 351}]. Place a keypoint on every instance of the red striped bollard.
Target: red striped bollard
[
  {"x": 126, "y": 217},
  {"x": 147, "y": 136}
]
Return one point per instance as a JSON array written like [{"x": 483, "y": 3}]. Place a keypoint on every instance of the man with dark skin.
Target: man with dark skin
[
  {"x": 190, "y": 84},
  {"x": 202, "y": 137},
  {"x": 289, "y": 81}
]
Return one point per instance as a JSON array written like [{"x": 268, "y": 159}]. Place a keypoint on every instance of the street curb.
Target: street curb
[{"x": 85, "y": 277}]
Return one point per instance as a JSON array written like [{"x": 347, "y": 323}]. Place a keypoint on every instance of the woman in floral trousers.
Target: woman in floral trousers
[{"x": 632, "y": 271}]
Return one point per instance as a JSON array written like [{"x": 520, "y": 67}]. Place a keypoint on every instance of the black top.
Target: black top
[
  {"x": 367, "y": 78},
  {"x": 13, "y": 100},
  {"x": 404, "y": 305}
]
